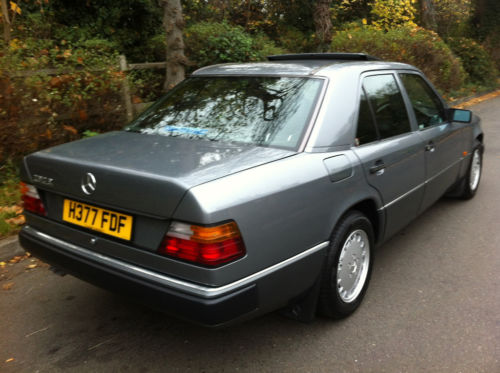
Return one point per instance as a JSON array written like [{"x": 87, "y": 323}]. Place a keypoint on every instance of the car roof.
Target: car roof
[
  {"x": 335, "y": 120},
  {"x": 303, "y": 64}
]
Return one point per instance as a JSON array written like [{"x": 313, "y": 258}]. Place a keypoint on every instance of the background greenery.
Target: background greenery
[
  {"x": 458, "y": 49},
  {"x": 457, "y": 45}
]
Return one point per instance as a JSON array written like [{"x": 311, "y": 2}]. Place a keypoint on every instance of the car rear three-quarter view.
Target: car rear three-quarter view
[{"x": 252, "y": 187}]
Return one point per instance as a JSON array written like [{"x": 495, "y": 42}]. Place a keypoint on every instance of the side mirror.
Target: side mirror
[{"x": 459, "y": 115}]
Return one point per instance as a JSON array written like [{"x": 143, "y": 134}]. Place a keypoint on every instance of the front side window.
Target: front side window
[
  {"x": 265, "y": 111},
  {"x": 387, "y": 104},
  {"x": 426, "y": 104}
]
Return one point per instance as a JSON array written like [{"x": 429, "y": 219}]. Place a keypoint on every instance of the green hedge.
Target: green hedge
[
  {"x": 294, "y": 40},
  {"x": 212, "y": 42},
  {"x": 417, "y": 46},
  {"x": 475, "y": 59}
]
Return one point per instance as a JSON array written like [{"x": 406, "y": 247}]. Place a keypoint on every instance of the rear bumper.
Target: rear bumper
[{"x": 210, "y": 306}]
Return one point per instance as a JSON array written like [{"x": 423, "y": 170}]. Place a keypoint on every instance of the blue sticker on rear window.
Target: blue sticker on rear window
[{"x": 184, "y": 130}]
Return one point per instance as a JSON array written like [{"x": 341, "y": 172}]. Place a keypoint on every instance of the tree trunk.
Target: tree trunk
[
  {"x": 6, "y": 22},
  {"x": 428, "y": 14},
  {"x": 323, "y": 24},
  {"x": 480, "y": 11},
  {"x": 176, "y": 61}
]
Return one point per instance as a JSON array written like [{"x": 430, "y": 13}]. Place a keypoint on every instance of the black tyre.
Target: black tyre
[
  {"x": 348, "y": 266},
  {"x": 473, "y": 174},
  {"x": 468, "y": 186}
]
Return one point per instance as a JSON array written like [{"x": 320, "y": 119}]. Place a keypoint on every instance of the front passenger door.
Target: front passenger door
[
  {"x": 442, "y": 140},
  {"x": 391, "y": 153}
]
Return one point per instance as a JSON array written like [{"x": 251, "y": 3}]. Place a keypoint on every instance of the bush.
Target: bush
[
  {"x": 492, "y": 46},
  {"x": 413, "y": 45},
  {"x": 127, "y": 23},
  {"x": 39, "y": 110},
  {"x": 265, "y": 46},
  {"x": 389, "y": 14},
  {"x": 147, "y": 85},
  {"x": 154, "y": 48},
  {"x": 212, "y": 42},
  {"x": 475, "y": 59},
  {"x": 294, "y": 40}
]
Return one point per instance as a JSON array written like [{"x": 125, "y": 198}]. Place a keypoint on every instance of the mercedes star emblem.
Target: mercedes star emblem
[{"x": 89, "y": 183}]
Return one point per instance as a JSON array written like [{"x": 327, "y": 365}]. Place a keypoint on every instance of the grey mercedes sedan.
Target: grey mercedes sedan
[{"x": 253, "y": 187}]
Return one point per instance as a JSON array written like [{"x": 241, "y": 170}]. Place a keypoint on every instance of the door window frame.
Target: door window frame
[
  {"x": 413, "y": 117},
  {"x": 407, "y": 103}
]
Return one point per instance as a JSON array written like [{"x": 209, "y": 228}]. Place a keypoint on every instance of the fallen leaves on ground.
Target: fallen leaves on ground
[
  {"x": 13, "y": 217},
  {"x": 12, "y": 209},
  {"x": 71, "y": 129},
  {"x": 9, "y": 360},
  {"x": 477, "y": 100},
  {"x": 18, "y": 265},
  {"x": 16, "y": 259},
  {"x": 18, "y": 220},
  {"x": 7, "y": 286}
]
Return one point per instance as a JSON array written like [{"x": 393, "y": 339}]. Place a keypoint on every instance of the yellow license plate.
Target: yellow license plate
[{"x": 98, "y": 219}]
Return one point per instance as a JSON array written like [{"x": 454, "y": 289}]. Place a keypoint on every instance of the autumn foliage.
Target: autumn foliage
[
  {"x": 81, "y": 41},
  {"x": 38, "y": 110},
  {"x": 477, "y": 62},
  {"x": 411, "y": 44}
]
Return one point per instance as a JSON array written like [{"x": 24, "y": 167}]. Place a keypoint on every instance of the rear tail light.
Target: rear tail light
[
  {"x": 209, "y": 246},
  {"x": 31, "y": 199}
]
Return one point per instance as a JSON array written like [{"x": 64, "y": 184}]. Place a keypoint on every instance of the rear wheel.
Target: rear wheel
[{"x": 348, "y": 266}]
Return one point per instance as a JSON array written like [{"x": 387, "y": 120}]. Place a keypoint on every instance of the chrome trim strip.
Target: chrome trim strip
[
  {"x": 444, "y": 170},
  {"x": 421, "y": 185},
  {"x": 188, "y": 287},
  {"x": 402, "y": 196}
]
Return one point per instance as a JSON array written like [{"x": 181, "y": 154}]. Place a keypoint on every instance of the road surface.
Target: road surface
[{"x": 433, "y": 305}]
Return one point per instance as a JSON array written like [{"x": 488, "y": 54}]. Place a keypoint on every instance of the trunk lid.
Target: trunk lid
[{"x": 145, "y": 174}]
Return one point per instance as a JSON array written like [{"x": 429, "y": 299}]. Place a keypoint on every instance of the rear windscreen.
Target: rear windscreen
[{"x": 267, "y": 111}]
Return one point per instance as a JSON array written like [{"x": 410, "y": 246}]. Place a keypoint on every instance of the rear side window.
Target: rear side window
[
  {"x": 426, "y": 104},
  {"x": 388, "y": 105},
  {"x": 366, "y": 131}
]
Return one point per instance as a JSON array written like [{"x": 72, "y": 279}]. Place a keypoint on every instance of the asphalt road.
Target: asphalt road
[{"x": 433, "y": 306}]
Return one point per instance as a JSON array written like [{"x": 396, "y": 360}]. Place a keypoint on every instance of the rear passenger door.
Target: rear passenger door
[
  {"x": 442, "y": 140},
  {"x": 389, "y": 149}
]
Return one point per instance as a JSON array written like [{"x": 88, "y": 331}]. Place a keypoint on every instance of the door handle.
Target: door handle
[
  {"x": 430, "y": 147},
  {"x": 377, "y": 168}
]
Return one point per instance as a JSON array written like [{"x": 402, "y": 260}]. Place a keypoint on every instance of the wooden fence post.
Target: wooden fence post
[{"x": 126, "y": 89}]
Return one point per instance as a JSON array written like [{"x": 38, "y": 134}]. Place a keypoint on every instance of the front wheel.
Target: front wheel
[
  {"x": 348, "y": 266},
  {"x": 474, "y": 175},
  {"x": 470, "y": 183}
]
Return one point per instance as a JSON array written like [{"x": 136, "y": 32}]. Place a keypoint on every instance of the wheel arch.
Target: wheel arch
[
  {"x": 304, "y": 308},
  {"x": 480, "y": 138},
  {"x": 369, "y": 208},
  {"x": 477, "y": 131}
]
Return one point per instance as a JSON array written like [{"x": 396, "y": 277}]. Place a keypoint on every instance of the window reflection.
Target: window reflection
[
  {"x": 388, "y": 105},
  {"x": 271, "y": 111},
  {"x": 426, "y": 104}
]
